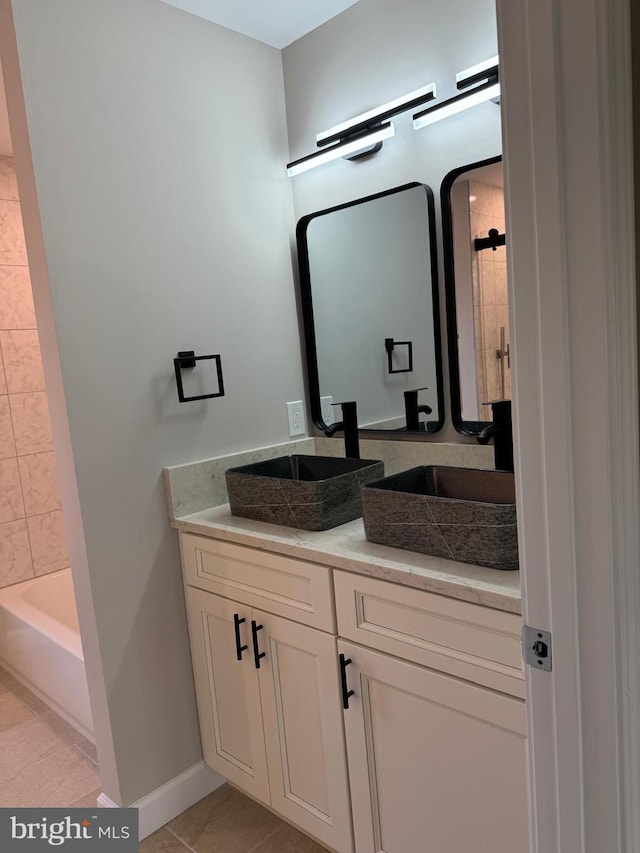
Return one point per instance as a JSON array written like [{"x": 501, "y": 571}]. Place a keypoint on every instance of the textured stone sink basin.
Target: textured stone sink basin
[
  {"x": 463, "y": 514},
  {"x": 308, "y": 492}
]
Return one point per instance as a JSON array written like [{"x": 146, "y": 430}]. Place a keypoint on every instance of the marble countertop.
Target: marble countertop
[{"x": 346, "y": 547}]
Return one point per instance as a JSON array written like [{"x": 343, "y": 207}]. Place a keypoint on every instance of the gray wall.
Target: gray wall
[
  {"x": 374, "y": 52},
  {"x": 158, "y": 142}
]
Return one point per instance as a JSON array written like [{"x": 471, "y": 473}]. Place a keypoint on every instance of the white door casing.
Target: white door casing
[{"x": 565, "y": 68}]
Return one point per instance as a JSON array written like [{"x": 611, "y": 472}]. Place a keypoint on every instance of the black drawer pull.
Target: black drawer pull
[
  {"x": 256, "y": 653},
  {"x": 346, "y": 693},
  {"x": 237, "y": 622}
]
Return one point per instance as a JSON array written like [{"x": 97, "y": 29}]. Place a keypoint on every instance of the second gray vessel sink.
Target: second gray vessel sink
[
  {"x": 464, "y": 514},
  {"x": 308, "y": 492}
]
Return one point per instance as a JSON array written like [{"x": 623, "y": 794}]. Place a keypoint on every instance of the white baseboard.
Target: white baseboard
[{"x": 171, "y": 799}]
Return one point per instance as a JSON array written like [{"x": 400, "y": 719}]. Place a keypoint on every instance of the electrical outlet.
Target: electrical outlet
[
  {"x": 326, "y": 408},
  {"x": 295, "y": 412}
]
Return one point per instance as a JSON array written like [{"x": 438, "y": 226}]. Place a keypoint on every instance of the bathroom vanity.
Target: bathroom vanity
[{"x": 374, "y": 698}]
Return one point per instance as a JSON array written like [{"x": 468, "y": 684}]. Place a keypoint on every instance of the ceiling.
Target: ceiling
[{"x": 275, "y": 22}]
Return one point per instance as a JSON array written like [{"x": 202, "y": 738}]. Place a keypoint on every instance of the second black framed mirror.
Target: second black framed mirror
[{"x": 474, "y": 242}]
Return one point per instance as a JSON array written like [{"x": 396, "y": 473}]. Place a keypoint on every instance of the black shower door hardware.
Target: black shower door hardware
[
  {"x": 390, "y": 345},
  {"x": 186, "y": 360},
  {"x": 494, "y": 240},
  {"x": 257, "y": 654},
  {"x": 346, "y": 693},
  {"x": 237, "y": 622}
]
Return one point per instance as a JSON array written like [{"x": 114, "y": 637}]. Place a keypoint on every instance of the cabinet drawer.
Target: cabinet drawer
[
  {"x": 469, "y": 641},
  {"x": 285, "y": 586}
]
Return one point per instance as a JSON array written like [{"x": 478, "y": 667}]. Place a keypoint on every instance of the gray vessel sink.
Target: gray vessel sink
[
  {"x": 464, "y": 514},
  {"x": 307, "y": 492}
]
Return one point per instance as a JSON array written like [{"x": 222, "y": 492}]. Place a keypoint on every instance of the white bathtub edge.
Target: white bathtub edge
[{"x": 171, "y": 799}]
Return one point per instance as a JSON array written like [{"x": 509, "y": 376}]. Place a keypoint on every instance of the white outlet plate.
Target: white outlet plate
[
  {"x": 327, "y": 410},
  {"x": 295, "y": 413}
]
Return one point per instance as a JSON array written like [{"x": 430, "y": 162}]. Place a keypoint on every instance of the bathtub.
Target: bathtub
[{"x": 40, "y": 644}]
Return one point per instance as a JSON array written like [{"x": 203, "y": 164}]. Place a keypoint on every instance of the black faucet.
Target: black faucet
[
  {"x": 502, "y": 433},
  {"x": 412, "y": 409},
  {"x": 349, "y": 424}
]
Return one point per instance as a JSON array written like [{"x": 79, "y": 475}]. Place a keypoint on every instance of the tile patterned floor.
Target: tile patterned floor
[
  {"x": 228, "y": 822},
  {"x": 45, "y": 762}
]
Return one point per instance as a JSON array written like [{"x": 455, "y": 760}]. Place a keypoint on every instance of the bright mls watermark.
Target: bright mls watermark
[{"x": 79, "y": 830}]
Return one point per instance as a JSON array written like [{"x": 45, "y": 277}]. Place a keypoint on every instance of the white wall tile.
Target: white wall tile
[
  {"x": 31, "y": 423},
  {"x": 12, "y": 247},
  {"x": 15, "y": 553},
  {"x": 16, "y": 299},
  {"x": 11, "y": 503},
  {"x": 7, "y": 444},
  {"x": 48, "y": 542},
  {"x": 8, "y": 181},
  {"x": 39, "y": 477},
  {"x": 22, "y": 361}
]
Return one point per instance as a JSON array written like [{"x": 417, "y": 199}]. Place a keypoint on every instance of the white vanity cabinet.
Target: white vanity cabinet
[
  {"x": 436, "y": 763},
  {"x": 268, "y": 687},
  {"x": 430, "y": 754}
]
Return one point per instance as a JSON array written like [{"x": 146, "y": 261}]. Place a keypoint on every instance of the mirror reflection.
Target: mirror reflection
[
  {"x": 370, "y": 304},
  {"x": 477, "y": 301}
]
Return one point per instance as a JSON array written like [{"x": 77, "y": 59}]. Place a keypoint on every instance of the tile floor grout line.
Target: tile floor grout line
[
  {"x": 46, "y": 754},
  {"x": 84, "y": 755},
  {"x": 271, "y": 834},
  {"x": 22, "y": 702},
  {"x": 175, "y": 835}
]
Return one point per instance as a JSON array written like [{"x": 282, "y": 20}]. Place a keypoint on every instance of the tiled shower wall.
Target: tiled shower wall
[
  {"x": 490, "y": 304},
  {"x": 32, "y": 536}
]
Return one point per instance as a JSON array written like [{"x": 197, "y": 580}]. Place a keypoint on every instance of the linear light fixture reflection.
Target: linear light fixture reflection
[
  {"x": 350, "y": 147},
  {"x": 377, "y": 115},
  {"x": 457, "y": 104}
]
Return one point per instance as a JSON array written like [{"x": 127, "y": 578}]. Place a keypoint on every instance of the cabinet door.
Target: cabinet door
[
  {"x": 436, "y": 764},
  {"x": 227, "y": 692},
  {"x": 304, "y": 729}
]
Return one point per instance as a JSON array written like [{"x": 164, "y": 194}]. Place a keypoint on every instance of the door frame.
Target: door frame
[{"x": 567, "y": 87}]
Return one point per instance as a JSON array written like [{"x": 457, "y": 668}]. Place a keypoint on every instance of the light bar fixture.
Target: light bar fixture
[
  {"x": 363, "y": 134},
  {"x": 361, "y": 145},
  {"x": 486, "y": 73},
  {"x": 377, "y": 115},
  {"x": 482, "y": 72}
]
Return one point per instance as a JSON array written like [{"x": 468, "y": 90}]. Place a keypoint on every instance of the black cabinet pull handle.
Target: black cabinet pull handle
[
  {"x": 346, "y": 693},
  {"x": 256, "y": 653},
  {"x": 237, "y": 622}
]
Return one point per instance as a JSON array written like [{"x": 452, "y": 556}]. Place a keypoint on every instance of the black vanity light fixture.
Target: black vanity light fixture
[
  {"x": 361, "y": 135},
  {"x": 485, "y": 74}
]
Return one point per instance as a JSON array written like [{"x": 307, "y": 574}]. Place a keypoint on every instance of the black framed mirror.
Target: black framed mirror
[
  {"x": 473, "y": 227},
  {"x": 369, "y": 296}
]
